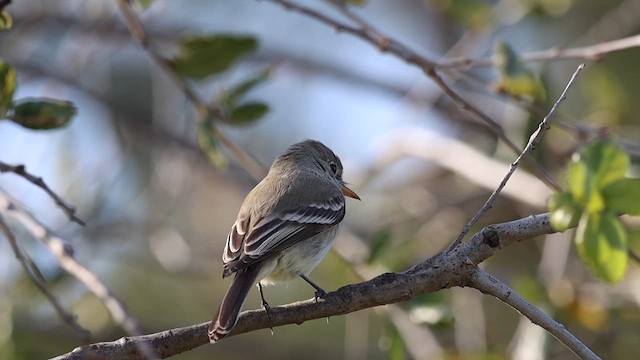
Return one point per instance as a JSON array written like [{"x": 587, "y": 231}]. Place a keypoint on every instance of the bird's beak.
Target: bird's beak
[{"x": 350, "y": 193}]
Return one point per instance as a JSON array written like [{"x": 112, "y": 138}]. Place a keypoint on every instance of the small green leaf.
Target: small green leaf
[
  {"x": 146, "y": 3},
  {"x": 208, "y": 55},
  {"x": 6, "y": 22},
  {"x": 248, "y": 113},
  {"x": 614, "y": 254},
  {"x": 623, "y": 196},
  {"x": 43, "y": 113},
  {"x": 379, "y": 242},
  {"x": 583, "y": 187},
  {"x": 515, "y": 77},
  {"x": 7, "y": 87},
  {"x": 601, "y": 240},
  {"x": 606, "y": 162},
  {"x": 235, "y": 94},
  {"x": 209, "y": 145},
  {"x": 565, "y": 213},
  {"x": 586, "y": 238}
]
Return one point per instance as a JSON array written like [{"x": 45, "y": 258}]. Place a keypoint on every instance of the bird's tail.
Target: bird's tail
[{"x": 227, "y": 315}]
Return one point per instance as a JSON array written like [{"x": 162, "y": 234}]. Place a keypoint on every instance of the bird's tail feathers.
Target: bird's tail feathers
[{"x": 227, "y": 315}]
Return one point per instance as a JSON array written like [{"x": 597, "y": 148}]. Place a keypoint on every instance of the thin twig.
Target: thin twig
[
  {"x": 585, "y": 53},
  {"x": 634, "y": 256},
  {"x": 32, "y": 271},
  {"x": 489, "y": 285},
  {"x": 387, "y": 44},
  {"x": 63, "y": 253},
  {"x": 21, "y": 170},
  {"x": 535, "y": 138},
  {"x": 203, "y": 110}
]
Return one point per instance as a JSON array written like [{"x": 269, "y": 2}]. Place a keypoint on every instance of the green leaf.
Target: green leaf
[
  {"x": 475, "y": 14},
  {"x": 515, "y": 77},
  {"x": 583, "y": 187},
  {"x": 6, "y": 22},
  {"x": 379, "y": 242},
  {"x": 209, "y": 145},
  {"x": 623, "y": 196},
  {"x": 43, "y": 113},
  {"x": 146, "y": 3},
  {"x": 601, "y": 240},
  {"x": 7, "y": 87},
  {"x": 605, "y": 161},
  {"x": 208, "y": 55},
  {"x": 235, "y": 94},
  {"x": 577, "y": 176},
  {"x": 565, "y": 212},
  {"x": 248, "y": 113}
]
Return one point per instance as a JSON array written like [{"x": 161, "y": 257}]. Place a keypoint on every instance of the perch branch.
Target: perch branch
[{"x": 445, "y": 270}]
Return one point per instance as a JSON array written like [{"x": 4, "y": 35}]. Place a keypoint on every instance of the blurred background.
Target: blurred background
[{"x": 158, "y": 211}]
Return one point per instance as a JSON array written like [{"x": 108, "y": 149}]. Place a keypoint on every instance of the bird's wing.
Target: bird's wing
[{"x": 276, "y": 232}]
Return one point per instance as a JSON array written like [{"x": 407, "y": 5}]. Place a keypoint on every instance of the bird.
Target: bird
[{"x": 284, "y": 228}]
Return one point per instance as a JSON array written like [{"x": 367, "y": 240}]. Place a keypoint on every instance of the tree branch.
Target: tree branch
[
  {"x": 63, "y": 253},
  {"x": 21, "y": 170},
  {"x": 32, "y": 271},
  {"x": 203, "y": 110},
  {"x": 587, "y": 53},
  {"x": 384, "y": 43},
  {"x": 445, "y": 270},
  {"x": 534, "y": 140},
  {"x": 489, "y": 285}
]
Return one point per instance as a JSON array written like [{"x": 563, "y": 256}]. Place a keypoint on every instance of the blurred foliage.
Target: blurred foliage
[
  {"x": 598, "y": 192},
  {"x": 32, "y": 113},
  {"x": 474, "y": 14},
  {"x": 7, "y": 87},
  {"x": 6, "y": 22},
  {"x": 238, "y": 112},
  {"x": 234, "y": 111},
  {"x": 203, "y": 56},
  {"x": 515, "y": 77},
  {"x": 42, "y": 114}
]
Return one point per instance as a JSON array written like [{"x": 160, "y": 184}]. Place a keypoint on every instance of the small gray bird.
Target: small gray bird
[{"x": 285, "y": 227}]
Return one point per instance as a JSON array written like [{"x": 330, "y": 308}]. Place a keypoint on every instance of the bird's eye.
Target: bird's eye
[{"x": 334, "y": 167}]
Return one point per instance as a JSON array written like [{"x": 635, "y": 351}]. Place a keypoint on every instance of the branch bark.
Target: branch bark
[
  {"x": 489, "y": 285},
  {"x": 455, "y": 268}
]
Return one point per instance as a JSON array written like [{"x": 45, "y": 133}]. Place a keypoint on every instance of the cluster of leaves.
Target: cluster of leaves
[
  {"x": 32, "y": 113},
  {"x": 205, "y": 56},
  {"x": 598, "y": 193}
]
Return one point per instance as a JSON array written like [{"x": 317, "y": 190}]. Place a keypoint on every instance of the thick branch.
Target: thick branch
[{"x": 445, "y": 270}]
